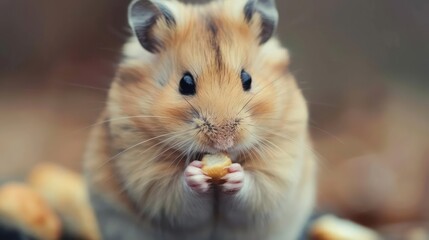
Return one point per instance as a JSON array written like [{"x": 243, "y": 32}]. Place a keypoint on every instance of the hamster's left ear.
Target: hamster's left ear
[
  {"x": 150, "y": 21},
  {"x": 269, "y": 17}
]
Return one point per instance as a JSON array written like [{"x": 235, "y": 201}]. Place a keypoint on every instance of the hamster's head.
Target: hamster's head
[{"x": 205, "y": 78}]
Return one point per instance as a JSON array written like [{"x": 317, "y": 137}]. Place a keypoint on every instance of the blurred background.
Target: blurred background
[{"x": 363, "y": 66}]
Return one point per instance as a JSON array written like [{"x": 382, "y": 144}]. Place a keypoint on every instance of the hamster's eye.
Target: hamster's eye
[
  {"x": 187, "y": 85},
  {"x": 246, "y": 80}
]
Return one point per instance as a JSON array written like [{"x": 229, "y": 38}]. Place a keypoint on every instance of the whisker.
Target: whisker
[
  {"x": 77, "y": 85},
  {"x": 182, "y": 132},
  {"x": 312, "y": 125},
  {"x": 183, "y": 153},
  {"x": 192, "y": 106},
  {"x": 181, "y": 156},
  {"x": 248, "y": 101},
  {"x": 267, "y": 148},
  {"x": 258, "y": 153},
  {"x": 177, "y": 143},
  {"x": 268, "y": 143},
  {"x": 123, "y": 118},
  {"x": 189, "y": 103},
  {"x": 164, "y": 142},
  {"x": 258, "y": 93},
  {"x": 254, "y": 148},
  {"x": 188, "y": 153},
  {"x": 124, "y": 189},
  {"x": 178, "y": 157},
  {"x": 311, "y": 149},
  {"x": 104, "y": 90},
  {"x": 323, "y": 104}
]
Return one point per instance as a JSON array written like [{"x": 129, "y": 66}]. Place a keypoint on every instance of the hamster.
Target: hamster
[{"x": 198, "y": 79}]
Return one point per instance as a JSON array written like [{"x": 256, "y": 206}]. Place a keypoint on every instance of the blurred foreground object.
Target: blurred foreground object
[
  {"x": 23, "y": 208},
  {"x": 329, "y": 227},
  {"x": 65, "y": 191},
  {"x": 32, "y": 209}
]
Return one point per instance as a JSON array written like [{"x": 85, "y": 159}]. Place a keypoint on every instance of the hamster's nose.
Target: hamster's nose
[
  {"x": 223, "y": 135},
  {"x": 223, "y": 143}
]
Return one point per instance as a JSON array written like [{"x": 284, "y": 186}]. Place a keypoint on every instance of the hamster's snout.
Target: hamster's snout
[{"x": 222, "y": 136}]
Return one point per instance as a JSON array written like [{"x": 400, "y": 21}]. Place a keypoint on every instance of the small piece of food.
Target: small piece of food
[
  {"x": 65, "y": 191},
  {"x": 330, "y": 227},
  {"x": 216, "y": 165},
  {"x": 23, "y": 208}
]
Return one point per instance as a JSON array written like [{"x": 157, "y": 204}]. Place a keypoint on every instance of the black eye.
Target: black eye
[
  {"x": 246, "y": 80},
  {"x": 187, "y": 85}
]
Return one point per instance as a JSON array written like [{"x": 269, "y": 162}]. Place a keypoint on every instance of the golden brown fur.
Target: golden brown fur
[{"x": 137, "y": 158}]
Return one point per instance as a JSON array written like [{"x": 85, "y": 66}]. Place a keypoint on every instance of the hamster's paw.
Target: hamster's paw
[
  {"x": 195, "y": 178},
  {"x": 234, "y": 179}
]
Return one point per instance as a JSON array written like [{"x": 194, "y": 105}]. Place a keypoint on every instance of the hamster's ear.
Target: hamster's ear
[
  {"x": 145, "y": 18},
  {"x": 269, "y": 16}
]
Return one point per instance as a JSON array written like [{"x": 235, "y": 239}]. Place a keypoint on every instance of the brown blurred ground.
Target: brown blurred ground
[{"x": 363, "y": 66}]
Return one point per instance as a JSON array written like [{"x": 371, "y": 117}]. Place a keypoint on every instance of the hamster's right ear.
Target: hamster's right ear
[
  {"x": 147, "y": 18},
  {"x": 269, "y": 16}
]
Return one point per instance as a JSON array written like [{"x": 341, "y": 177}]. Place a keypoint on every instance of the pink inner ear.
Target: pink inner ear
[
  {"x": 269, "y": 17},
  {"x": 143, "y": 16}
]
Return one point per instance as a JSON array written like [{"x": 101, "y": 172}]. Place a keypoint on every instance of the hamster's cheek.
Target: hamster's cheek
[
  {"x": 201, "y": 141},
  {"x": 246, "y": 131}
]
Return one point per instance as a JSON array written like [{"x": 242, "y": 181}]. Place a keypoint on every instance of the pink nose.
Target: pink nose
[{"x": 222, "y": 136}]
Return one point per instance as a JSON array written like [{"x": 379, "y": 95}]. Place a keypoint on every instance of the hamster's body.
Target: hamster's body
[{"x": 177, "y": 95}]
